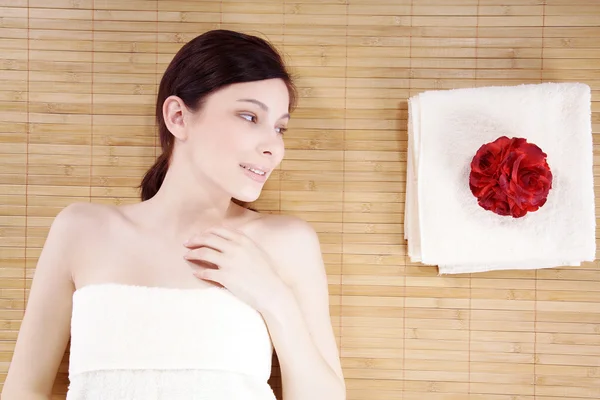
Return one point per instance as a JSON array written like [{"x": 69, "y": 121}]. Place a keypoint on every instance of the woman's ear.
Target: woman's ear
[{"x": 174, "y": 114}]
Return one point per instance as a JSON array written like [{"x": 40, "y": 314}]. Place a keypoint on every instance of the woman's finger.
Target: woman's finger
[
  {"x": 209, "y": 274},
  {"x": 209, "y": 240},
  {"x": 229, "y": 234},
  {"x": 206, "y": 254}
]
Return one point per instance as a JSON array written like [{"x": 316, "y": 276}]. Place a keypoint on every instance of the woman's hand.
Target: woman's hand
[{"x": 238, "y": 263}]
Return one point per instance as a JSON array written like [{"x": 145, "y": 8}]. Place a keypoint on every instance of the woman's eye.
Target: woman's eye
[
  {"x": 281, "y": 130},
  {"x": 249, "y": 117}
]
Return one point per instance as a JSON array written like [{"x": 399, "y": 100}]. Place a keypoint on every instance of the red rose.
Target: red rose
[{"x": 510, "y": 177}]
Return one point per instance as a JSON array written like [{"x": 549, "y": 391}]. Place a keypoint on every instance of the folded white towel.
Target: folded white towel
[{"x": 444, "y": 224}]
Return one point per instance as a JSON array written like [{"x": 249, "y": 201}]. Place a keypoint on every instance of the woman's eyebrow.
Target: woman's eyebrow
[
  {"x": 257, "y": 102},
  {"x": 263, "y": 106}
]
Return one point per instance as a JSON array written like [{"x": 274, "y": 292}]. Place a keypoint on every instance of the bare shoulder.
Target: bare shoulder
[
  {"x": 287, "y": 225},
  {"x": 71, "y": 221},
  {"x": 291, "y": 233},
  {"x": 80, "y": 217},
  {"x": 294, "y": 246},
  {"x": 80, "y": 224},
  {"x": 83, "y": 212}
]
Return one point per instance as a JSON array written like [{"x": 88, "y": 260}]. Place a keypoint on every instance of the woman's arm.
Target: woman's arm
[
  {"x": 300, "y": 324},
  {"x": 44, "y": 332}
]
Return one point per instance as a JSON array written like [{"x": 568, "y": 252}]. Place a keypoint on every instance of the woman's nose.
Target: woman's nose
[{"x": 271, "y": 146}]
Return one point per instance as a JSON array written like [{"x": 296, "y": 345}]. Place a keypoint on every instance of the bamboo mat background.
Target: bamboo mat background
[{"x": 78, "y": 80}]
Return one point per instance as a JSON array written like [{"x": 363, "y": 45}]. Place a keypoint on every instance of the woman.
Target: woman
[{"x": 185, "y": 294}]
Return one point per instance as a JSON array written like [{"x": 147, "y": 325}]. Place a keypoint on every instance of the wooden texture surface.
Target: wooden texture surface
[{"x": 78, "y": 80}]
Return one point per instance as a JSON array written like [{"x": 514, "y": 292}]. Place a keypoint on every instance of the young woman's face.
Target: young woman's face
[{"x": 236, "y": 139}]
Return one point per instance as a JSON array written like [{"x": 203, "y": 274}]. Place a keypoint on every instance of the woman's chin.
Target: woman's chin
[{"x": 247, "y": 196}]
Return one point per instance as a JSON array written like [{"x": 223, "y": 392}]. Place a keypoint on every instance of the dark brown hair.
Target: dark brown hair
[{"x": 207, "y": 63}]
